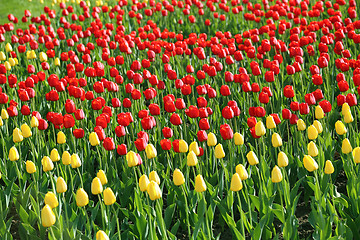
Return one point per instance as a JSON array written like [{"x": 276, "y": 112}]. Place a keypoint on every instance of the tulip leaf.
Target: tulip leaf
[
  {"x": 169, "y": 213},
  {"x": 260, "y": 227}
]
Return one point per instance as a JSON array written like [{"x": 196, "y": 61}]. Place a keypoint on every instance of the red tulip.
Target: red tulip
[
  {"x": 304, "y": 108},
  {"x": 166, "y": 144},
  {"x": 109, "y": 144},
  {"x": 68, "y": 121},
  {"x": 175, "y": 119},
  {"x": 289, "y": 91},
  {"x": 227, "y": 113},
  {"x": 226, "y": 132},
  {"x": 100, "y": 132},
  {"x": 140, "y": 144},
  {"x": 79, "y": 133},
  {"x": 167, "y": 132},
  {"x": 121, "y": 149}
]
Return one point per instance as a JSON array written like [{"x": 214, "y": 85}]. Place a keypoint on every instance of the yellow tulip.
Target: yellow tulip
[
  {"x": 47, "y": 164},
  {"x": 345, "y": 108},
  {"x": 318, "y": 126},
  {"x": 66, "y": 158},
  {"x": 153, "y": 176},
  {"x": 212, "y": 140},
  {"x": 319, "y": 112},
  {"x": 1, "y": 122},
  {"x": 340, "y": 128},
  {"x": 301, "y": 125},
  {"x": 30, "y": 167},
  {"x": 61, "y": 138},
  {"x": 47, "y": 216},
  {"x": 150, "y": 151},
  {"x": 34, "y": 122},
  {"x": 94, "y": 139},
  {"x": 178, "y": 177},
  {"x": 12, "y": 62},
  {"x": 309, "y": 163},
  {"x": 8, "y": 47},
  {"x": 252, "y": 158},
  {"x": 7, "y": 66},
  {"x": 43, "y": 57},
  {"x": 348, "y": 118},
  {"x": 192, "y": 159},
  {"x": 346, "y": 146},
  {"x": 219, "y": 151},
  {"x": 282, "y": 160},
  {"x": 270, "y": 122},
  {"x": 61, "y": 186},
  {"x": 276, "y": 140},
  {"x": 82, "y": 198},
  {"x": 17, "y": 135},
  {"x": 13, "y": 154},
  {"x": 75, "y": 161},
  {"x": 54, "y": 155},
  {"x": 101, "y": 235},
  {"x": 109, "y": 197},
  {"x": 132, "y": 159},
  {"x": 356, "y": 154},
  {"x": 260, "y": 129},
  {"x": 154, "y": 191},
  {"x": 4, "y": 114},
  {"x": 329, "y": 168},
  {"x": 195, "y": 148},
  {"x": 57, "y": 62},
  {"x": 241, "y": 170},
  {"x": 2, "y": 56},
  {"x": 239, "y": 139},
  {"x": 200, "y": 185},
  {"x": 312, "y": 132},
  {"x": 236, "y": 184},
  {"x": 51, "y": 200},
  {"x": 143, "y": 183},
  {"x": 101, "y": 175},
  {"x": 96, "y": 186},
  {"x": 26, "y": 130},
  {"x": 183, "y": 146},
  {"x": 276, "y": 175},
  {"x": 312, "y": 149}
]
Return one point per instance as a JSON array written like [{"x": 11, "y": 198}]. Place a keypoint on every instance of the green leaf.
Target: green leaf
[{"x": 169, "y": 213}]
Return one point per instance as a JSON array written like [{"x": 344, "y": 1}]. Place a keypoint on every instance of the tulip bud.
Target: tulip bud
[
  {"x": 318, "y": 126},
  {"x": 17, "y": 135},
  {"x": 192, "y": 159},
  {"x": 153, "y": 176},
  {"x": 13, "y": 154},
  {"x": 319, "y": 112},
  {"x": 82, "y": 198},
  {"x": 178, "y": 177},
  {"x": 47, "y": 216},
  {"x": 309, "y": 163},
  {"x": 348, "y": 118},
  {"x": 57, "y": 62},
  {"x": 96, "y": 186},
  {"x": 12, "y": 62},
  {"x": 312, "y": 132},
  {"x": 109, "y": 197},
  {"x": 143, "y": 183},
  {"x": 101, "y": 175},
  {"x": 61, "y": 138},
  {"x": 4, "y": 114},
  {"x": 26, "y": 131},
  {"x": 94, "y": 139},
  {"x": 7, "y": 66},
  {"x": 346, "y": 146},
  {"x": 54, "y": 155},
  {"x": 8, "y": 47},
  {"x": 252, "y": 158},
  {"x": 312, "y": 149},
  {"x": 47, "y": 164},
  {"x": 276, "y": 140},
  {"x": 2, "y": 56},
  {"x": 154, "y": 191},
  {"x": 51, "y": 200},
  {"x": 219, "y": 151},
  {"x": 61, "y": 186},
  {"x": 276, "y": 175},
  {"x": 183, "y": 146},
  {"x": 239, "y": 139},
  {"x": 282, "y": 160},
  {"x": 131, "y": 159},
  {"x": 101, "y": 235},
  {"x": 200, "y": 185},
  {"x": 260, "y": 129},
  {"x": 236, "y": 184},
  {"x": 329, "y": 168},
  {"x": 34, "y": 122},
  {"x": 356, "y": 154},
  {"x": 301, "y": 125},
  {"x": 270, "y": 122},
  {"x": 150, "y": 151},
  {"x": 345, "y": 108},
  {"x": 43, "y": 57},
  {"x": 30, "y": 167},
  {"x": 195, "y": 148},
  {"x": 340, "y": 128},
  {"x": 66, "y": 158},
  {"x": 75, "y": 161},
  {"x": 241, "y": 170},
  {"x": 211, "y": 141}
]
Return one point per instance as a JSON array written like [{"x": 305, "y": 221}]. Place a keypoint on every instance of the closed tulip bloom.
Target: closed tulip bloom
[
  {"x": 131, "y": 159},
  {"x": 340, "y": 128},
  {"x": 192, "y": 159},
  {"x": 212, "y": 140},
  {"x": 96, "y": 186},
  {"x": 312, "y": 132},
  {"x": 276, "y": 140},
  {"x": 241, "y": 170},
  {"x": 345, "y": 108},
  {"x": 260, "y": 129},
  {"x": 101, "y": 175},
  {"x": 154, "y": 191},
  {"x": 26, "y": 130},
  {"x": 282, "y": 160},
  {"x": 270, "y": 122},
  {"x": 329, "y": 168},
  {"x": 57, "y": 62},
  {"x": 312, "y": 149},
  {"x": 8, "y": 47},
  {"x": 2, "y": 56},
  {"x": 153, "y": 176},
  {"x": 4, "y": 114},
  {"x": 34, "y": 122},
  {"x": 195, "y": 148},
  {"x": 356, "y": 154},
  {"x": 348, "y": 118},
  {"x": 150, "y": 151},
  {"x": 183, "y": 146},
  {"x": 178, "y": 177},
  {"x": 276, "y": 175},
  {"x": 346, "y": 146},
  {"x": 309, "y": 163},
  {"x": 13, "y": 154},
  {"x": 94, "y": 139},
  {"x": 200, "y": 185},
  {"x": 30, "y": 167},
  {"x": 47, "y": 216},
  {"x": 17, "y": 135},
  {"x": 239, "y": 139},
  {"x": 82, "y": 198},
  {"x": 236, "y": 184},
  {"x": 54, "y": 155},
  {"x": 101, "y": 235},
  {"x": 252, "y": 158},
  {"x": 301, "y": 125},
  {"x": 47, "y": 164},
  {"x": 109, "y": 197},
  {"x": 319, "y": 112},
  {"x": 43, "y": 57},
  {"x": 75, "y": 161},
  {"x": 61, "y": 186},
  {"x": 61, "y": 138},
  {"x": 7, "y": 66},
  {"x": 219, "y": 151},
  {"x": 143, "y": 183},
  {"x": 66, "y": 158},
  {"x": 318, "y": 126},
  {"x": 51, "y": 200}
]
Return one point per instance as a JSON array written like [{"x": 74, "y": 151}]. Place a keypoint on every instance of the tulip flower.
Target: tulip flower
[
  {"x": 109, "y": 197},
  {"x": 75, "y": 161},
  {"x": 356, "y": 154},
  {"x": 51, "y": 200},
  {"x": 154, "y": 191},
  {"x": 34, "y": 122},
  {"x": 26, "y": 131},
  {"x": 30, "y": 167},
  {"x": 66, "y": 158},
  {"x": 17, "y": 135},
  {"x": 101, "y": 235},
  {"x": 47, "y": 164},
  {"x": 252, "y": 158},
  {"x": 312, "y": 149},
  {"x": 61, "y": 186},
  {"x": 219, "y": 151},
  {"x": 82, "y": 198},
  {"x": 309, "y": 163},
  {"x": 94, "y": 139},
  {"x": 346, "y": 146},
  {"x": 301, "y": 125},
  {"x": 96, "y": 186},
  {"x": 276, "y": 175},
  {"x": 312, "y": 132},
  {"x": 1, "y": 122},
  {"x": 13, "y": 154},
  {"x": 340, "y": 128},
  {"x": 132, "y": 159},
  {"x": 43, "y": 57},
  {"x": 4, "y": 114},
  {"x": 54, "y": 155},
  {"x": 153, "y": 176},
  {"x": 192, "y": 159},
  {"x": 200, "y": 185},
  {"x": 178, "y": 177},
  {"x": 150, "y": 151},
  {"x": 276, "y": 140},
  {"x": 319, "y": 112},
  {"x": 329, "y": 168},
  {"x": 8, "y": 48},
  {"x": 260, "y": 129},
  {"x": 236, "y": 184},
  {"x": 195, "y": 148},
  {"x": 318, "y": 126},
  {"x": 143, "y": 183},
  {"x": 183, "y": 146},
  {"x": 239, "y": 139},
  {"x": 47, "y": 216},
  {"x": 345, "y": 108},
  {"x": 348, "y": 118},
  {"x": 270, "y": 123},
  {"x": 282, "y": 160},
  {"x": 57, "y": 62},
  {"x": 211, "y": 141},
  {"x": 101, "y": 175},
  {"x": 61, "y": 138}
]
